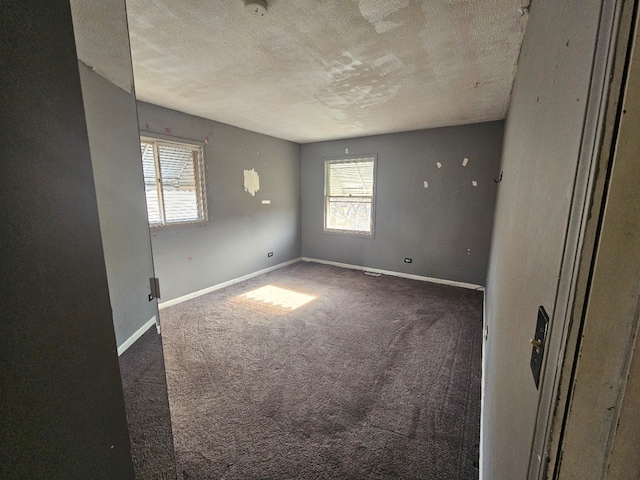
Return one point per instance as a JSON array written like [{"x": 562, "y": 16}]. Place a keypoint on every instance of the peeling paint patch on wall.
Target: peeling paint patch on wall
[{"x": 251, "y": 182}]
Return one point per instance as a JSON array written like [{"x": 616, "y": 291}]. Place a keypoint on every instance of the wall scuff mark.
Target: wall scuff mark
[{"x": 251, "y": 182}]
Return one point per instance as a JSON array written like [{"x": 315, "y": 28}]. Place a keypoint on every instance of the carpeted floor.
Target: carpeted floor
[
  {"x": 145, "y": 395},
  {"x": 377, "y": 377}
]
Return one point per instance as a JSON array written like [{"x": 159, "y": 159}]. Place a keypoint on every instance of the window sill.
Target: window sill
[
  {"x": 177, "y": 226},
  {"x": 348, "y": 233}
]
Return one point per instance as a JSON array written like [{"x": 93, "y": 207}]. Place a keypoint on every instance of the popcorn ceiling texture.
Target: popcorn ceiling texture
[
  {"x": 100, "y": 30},
  {"x": 311, "y": 71}
]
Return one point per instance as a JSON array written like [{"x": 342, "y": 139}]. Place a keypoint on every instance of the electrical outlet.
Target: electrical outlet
[
  {"x": 408, "y": 260},
  {"x": 270, "y": 254}
]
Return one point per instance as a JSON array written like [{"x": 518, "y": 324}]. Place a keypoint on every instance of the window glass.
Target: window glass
[
  {"x": 349, "y": 187},
  {"x": 174, "y": 182}
]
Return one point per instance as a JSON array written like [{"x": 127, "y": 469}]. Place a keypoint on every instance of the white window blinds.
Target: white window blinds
[
  {"x": 351, "y": 179},
  {"x": 349, "y": 189},
  {"x": 173, "y": 177}
]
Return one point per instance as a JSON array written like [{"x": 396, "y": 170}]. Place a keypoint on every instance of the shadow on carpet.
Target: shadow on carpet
[{"x": 375, "y": 377}]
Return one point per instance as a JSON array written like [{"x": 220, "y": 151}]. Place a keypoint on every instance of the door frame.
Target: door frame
[{"x": 583, "y": 235}]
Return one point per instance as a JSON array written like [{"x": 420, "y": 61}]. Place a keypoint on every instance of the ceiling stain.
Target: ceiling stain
[
  {"x": 377, "y": 11},
  {"x": 312, "y": 71},
  {"x": 357, "y": 85}
]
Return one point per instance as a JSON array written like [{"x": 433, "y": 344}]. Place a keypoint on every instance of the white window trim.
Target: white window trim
[
  {"x": 200, "y": 174},
  {"x": 350, "y": 159}
]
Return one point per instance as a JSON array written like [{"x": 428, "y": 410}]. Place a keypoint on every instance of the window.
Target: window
[
  {"x": 173, "y": 182},
  {"x": 348, "y": 206}
]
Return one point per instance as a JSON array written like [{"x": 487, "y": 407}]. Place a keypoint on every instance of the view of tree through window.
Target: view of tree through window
[
  {"x": 174, "y": 182},
  {"x": 349, "y": 195}
]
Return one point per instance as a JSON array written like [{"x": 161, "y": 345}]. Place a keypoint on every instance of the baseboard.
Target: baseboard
[
  {"x": 213, "y": 288},
  {"x": 452, "y": 283},
  {"x": 138, "y": 333}
]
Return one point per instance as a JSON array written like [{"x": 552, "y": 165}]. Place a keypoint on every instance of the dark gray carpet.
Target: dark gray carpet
[
  {"x": 145, "y": 395},
  {"x": 378, "y": 377}
]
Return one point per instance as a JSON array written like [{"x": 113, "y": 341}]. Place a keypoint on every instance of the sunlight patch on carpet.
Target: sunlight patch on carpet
[{"x": 279, "y": 297}]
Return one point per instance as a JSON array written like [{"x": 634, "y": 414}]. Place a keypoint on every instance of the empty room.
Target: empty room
[{"x": 339, "y": 239}]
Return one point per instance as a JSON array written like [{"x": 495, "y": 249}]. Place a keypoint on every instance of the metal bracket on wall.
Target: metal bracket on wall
[
  {"x": 538, "y": 342},
  {"x": 154, "y": 285}
]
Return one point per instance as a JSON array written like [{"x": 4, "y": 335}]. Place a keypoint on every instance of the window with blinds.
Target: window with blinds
[
  {"x": 349, "y": 189},
  {"x": 173, "y": 182}
]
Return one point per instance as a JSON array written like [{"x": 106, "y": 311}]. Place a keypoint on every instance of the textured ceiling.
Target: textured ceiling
[
  {"x": 315, "y": 70},
  {"x": 100, "y": 30}
]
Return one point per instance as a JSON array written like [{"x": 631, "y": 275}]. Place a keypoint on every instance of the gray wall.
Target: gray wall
[
  {"x": 115, "y": 154},
  {"x": 445, "y": 229},
  {"x": 63, "y": 412},
  {"x": 241, "y": 231},
  {"x": 541, "y": 148}
]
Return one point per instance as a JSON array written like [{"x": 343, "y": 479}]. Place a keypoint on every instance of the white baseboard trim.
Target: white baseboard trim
[
  {"x": 213, "y": 288},
  {"x": 138, "y": 333},
  {"x": 452, "y": 283}
]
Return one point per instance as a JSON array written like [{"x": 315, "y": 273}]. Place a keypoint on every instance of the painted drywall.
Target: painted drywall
[
  {"x": 241, "y": 230},
  {"x": 541, "y": 149},
  {"x": 445, "y": 228},
  {"x": 115, "y": 154},
  {"x": 63, "y": 413}
]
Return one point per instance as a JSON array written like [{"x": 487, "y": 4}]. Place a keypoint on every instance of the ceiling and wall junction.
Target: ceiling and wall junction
[{"x": 311, "y": 71}]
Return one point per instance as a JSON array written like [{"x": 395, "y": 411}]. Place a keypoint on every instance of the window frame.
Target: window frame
[
  {"x": 199, "y": 169},
  {"x": 328, "y": 161}
]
